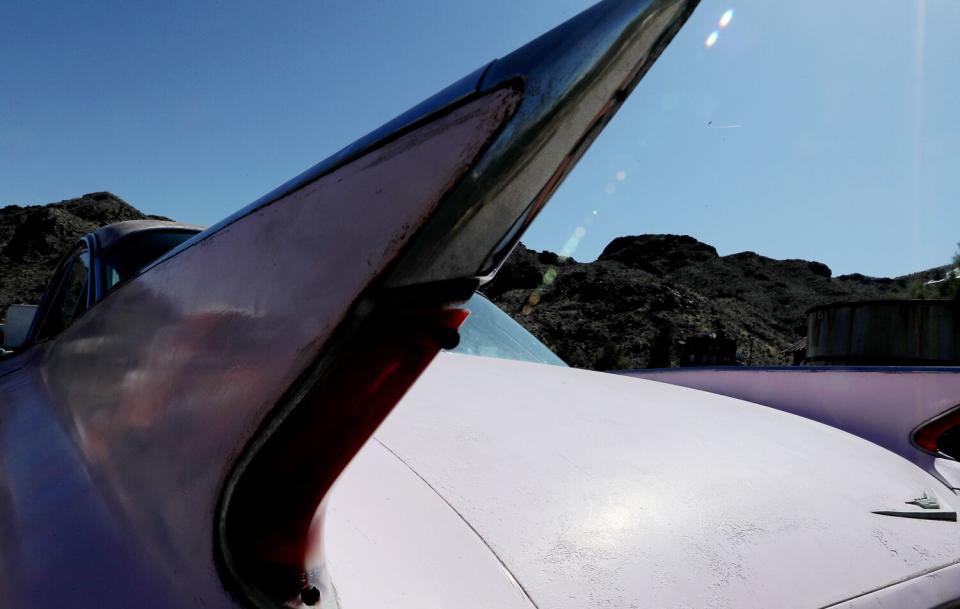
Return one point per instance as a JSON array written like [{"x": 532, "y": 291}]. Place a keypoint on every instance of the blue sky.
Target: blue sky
[{"x": 820, "y": 129}]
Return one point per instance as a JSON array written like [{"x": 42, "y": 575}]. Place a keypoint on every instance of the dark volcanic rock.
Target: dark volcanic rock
[
  {"x": 658, "y": 254},
  {"x": 33, "y": 238},
  {"x": 645, "y": 295},
  {"x": 632, "y": 308}
]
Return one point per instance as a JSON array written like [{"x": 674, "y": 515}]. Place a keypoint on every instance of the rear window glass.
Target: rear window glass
[
  {"x": 490, "y": 332},
  {"x": 133, "y": 254}
]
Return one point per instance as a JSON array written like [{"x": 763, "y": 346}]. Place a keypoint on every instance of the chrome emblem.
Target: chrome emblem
[{"x": 927, "y": 503}]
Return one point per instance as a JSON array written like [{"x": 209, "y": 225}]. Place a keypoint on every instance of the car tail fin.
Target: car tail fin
[
  {"x": 282, "y": 482},
  {"x": 215, "y": 397},
  {"x": 559, "y": 91},
  {"x": 574, "y": 79}
]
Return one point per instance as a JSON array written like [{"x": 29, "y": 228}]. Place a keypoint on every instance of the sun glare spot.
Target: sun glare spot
[
  {"x": 726, "y": 18},
  {"x": 711, "y": 39},
  {"x": 550, "y": 275}
]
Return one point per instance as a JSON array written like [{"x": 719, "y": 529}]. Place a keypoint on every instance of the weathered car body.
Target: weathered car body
[
  {"x": 175, "y": 443},
  {"x": 599, "y": 490},
  {"x": 171, "y": 445},
  {"x": 904, "y": 409}
]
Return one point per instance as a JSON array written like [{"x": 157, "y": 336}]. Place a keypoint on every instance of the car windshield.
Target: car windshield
[{"x": 489, "y": 332}]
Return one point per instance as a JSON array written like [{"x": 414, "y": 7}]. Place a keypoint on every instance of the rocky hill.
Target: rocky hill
[
  {"x": 34, "y": 237},
  {"x": 636, "y": 305}
]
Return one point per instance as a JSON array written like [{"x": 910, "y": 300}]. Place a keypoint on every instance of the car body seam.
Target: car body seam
[
  {"x": 905, "y": 580},
  {"x": 509, "y": 572}
]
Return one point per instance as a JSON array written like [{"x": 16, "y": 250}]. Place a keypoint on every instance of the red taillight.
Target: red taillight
[
  {"x": 278, "y": 491},
  {"x": 933, "y": 435}
]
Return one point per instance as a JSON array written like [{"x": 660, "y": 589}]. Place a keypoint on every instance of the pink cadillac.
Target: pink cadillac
[{"x": 174, "y": 415}]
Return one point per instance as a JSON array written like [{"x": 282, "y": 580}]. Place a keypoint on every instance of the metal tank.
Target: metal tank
[{"x": 884, "y": 333}]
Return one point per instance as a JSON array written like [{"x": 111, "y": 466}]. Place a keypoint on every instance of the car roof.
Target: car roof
[{"x": 109, "y": 235}]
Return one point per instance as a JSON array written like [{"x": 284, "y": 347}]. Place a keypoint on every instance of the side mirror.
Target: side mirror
[{"x": 19, "y": 318}]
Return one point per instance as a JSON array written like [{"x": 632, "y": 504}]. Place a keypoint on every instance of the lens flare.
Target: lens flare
[
  {"x": 726, "y": 18},
  {"x": 550, "y": 275},
  {"x": 573, "y": 242},
  {"x": 621, "y": 176},
  {"x": 711, "y": 39},
  {"x": 610, "y": 188}
]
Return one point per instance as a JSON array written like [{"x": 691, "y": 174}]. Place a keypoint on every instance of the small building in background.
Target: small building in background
[{"x": 884, "y": 333}]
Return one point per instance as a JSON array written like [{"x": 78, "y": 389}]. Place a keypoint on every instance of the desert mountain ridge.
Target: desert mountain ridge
[
  {"x": 645, "y": 295},
  {"x": 631, "y": 308}
]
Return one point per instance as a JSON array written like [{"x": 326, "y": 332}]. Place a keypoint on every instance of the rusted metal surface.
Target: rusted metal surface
[{"x": 891, "y": 332}]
